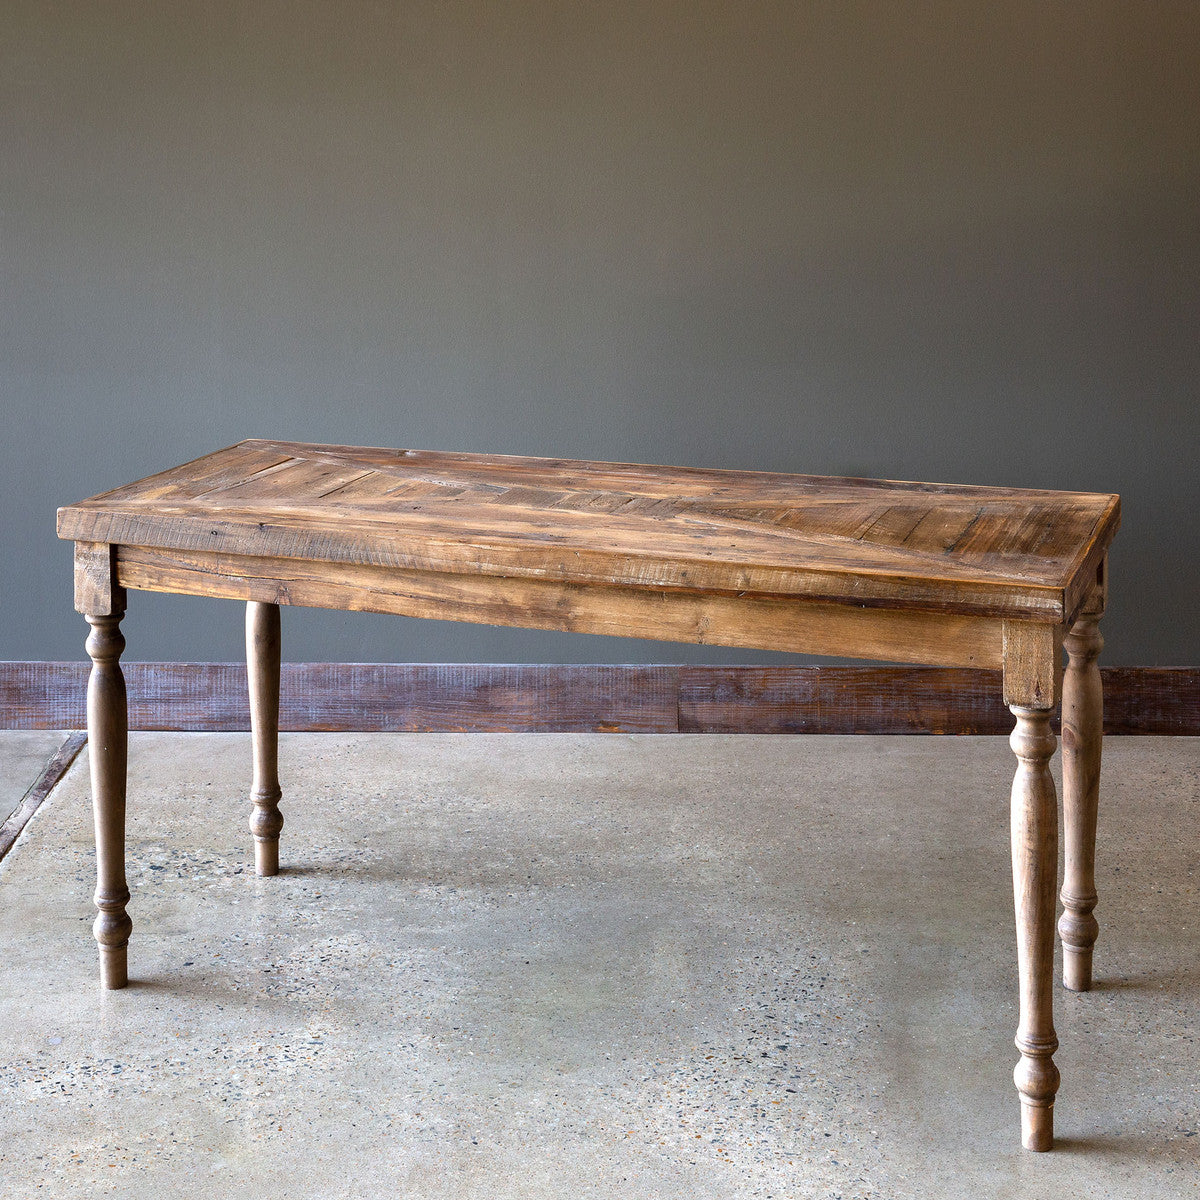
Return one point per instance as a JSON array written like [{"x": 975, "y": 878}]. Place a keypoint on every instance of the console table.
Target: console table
[{"x": 864, "y": 568}]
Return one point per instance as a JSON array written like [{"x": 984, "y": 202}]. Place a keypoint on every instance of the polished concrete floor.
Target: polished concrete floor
[
  {"x": 592, "y": 966},
  {"x": 23, "y": 755}
]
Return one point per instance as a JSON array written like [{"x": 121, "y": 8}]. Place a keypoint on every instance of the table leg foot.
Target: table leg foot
[
  {"x": 114, "y": 965},
  {"x": 1077, "y": 969},
  {"x": 266, "y": 856},
  {"x": 1037, "y": 1125}
]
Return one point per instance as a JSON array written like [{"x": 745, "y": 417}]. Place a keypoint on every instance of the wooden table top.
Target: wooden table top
[{"x": 1006, "y": 552}]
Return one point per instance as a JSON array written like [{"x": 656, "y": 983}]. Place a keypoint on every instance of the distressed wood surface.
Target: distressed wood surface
[
  {"x": 1032, "y": 657},
  {"x": 674, "y": 615},
  {"x": 498, "y": 698},
  {"x": 892, "y": 700},
  {"x": 96, "y": 590},
  {"x": 1001, "y": 552}
]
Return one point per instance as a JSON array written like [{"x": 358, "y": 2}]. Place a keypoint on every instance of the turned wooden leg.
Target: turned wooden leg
[
  {"x": 1035, "y": 872},
  {"x": 107, "y": 719},
  {"x": 262, "y": 664},
  {"x": 1082, "y": 737}
]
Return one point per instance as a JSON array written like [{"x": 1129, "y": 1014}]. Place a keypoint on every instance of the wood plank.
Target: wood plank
[
  {"x": 464, "y": 698},
  {"x": 798, "y": 626},
  {"x": 1151, "y": 700},
  {"x": 425, "y": 697},
  {"x": 45, "y": 783},
  {"x": 192, "y": 479},
  {"x": 847, "y": 700},
  {"x": 379, "y": 697},
  {"x": 680, "y": 559}
]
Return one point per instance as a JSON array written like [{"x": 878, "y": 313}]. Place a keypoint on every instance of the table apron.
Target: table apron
[{"x": 790, "y": 624}]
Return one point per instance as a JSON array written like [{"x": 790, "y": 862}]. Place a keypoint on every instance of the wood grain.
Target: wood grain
[
  {"x": 843, "y": 700},
  {"x": 677, "y": 615},
  {"x": 1001, "y": 552},
  {"x": 96, "y": 590},
  {"x": 1032, "y": 656},
  {"x": 531, "y": 698}
]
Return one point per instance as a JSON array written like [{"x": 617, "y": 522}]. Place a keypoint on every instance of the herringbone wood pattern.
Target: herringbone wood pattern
[{"x": 1001, "y": 551}]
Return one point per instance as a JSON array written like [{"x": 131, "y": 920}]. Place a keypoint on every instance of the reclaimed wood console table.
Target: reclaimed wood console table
[{"x": 907, "y": 572}]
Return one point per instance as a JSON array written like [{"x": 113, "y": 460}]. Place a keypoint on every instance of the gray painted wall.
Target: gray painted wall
[{"x": 947, "y": 241}]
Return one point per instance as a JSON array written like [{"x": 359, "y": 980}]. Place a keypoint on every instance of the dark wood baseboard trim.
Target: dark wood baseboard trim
[
  {"x": 53, "y": 771},
  {"x": 412, "y": 697}
]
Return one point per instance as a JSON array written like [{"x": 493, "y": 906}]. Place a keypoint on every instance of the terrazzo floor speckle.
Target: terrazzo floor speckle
[{"x": 585, "y": 966}]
